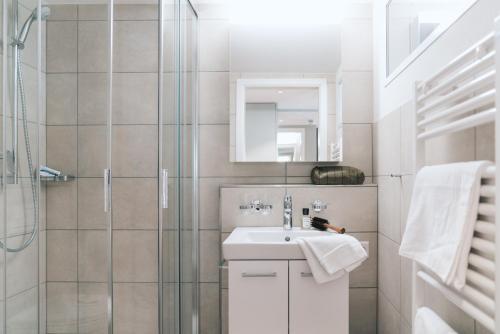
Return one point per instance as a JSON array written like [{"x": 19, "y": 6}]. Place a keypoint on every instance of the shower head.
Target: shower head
[{"x": 23, "y": 33}]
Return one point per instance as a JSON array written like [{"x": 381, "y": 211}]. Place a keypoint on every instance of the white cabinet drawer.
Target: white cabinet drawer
[
  {"x": 317, "y": 308},
  {"x": 258, "y": 297}
]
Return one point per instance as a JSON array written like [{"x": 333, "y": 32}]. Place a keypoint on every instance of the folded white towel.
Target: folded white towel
[
  {"x": 441, "y": 219},
  {"x": 330, "y": 257},
  {"x": 428, "y": 322}
]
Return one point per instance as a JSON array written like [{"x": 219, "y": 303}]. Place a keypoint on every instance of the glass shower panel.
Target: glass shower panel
[
  {"x": 169, "y": 166},
  {"x": 178, "y": 151},
  {"x": 78, "y": 44},
  {"x": 21, "y": 155},
  {"x": 135, "y": 172},
  {"x": 188, "y": 173}
]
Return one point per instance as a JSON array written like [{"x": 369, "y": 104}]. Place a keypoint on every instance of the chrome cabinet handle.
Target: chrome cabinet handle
[
  {"x": 273, "y": 274},
  {"x": 303, "y": 274},
  {"x": 107, "y": 177},
  {"x": 164, "y": 199}
]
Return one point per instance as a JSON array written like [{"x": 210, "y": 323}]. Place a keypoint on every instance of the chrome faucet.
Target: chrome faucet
[{"x": 287, "y": 212}]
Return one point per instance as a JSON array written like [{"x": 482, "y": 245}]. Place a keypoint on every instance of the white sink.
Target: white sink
[{"x": 265, "y": 243}]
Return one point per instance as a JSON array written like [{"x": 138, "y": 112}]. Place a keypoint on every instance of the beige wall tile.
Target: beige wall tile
[
  {"x": 62, "y": 255},
  {"x": 388, "y": 145},
  {"x": 135, "y": 308},
  {"x": 214, "y": 156},
  {"x": 91, "y": 151},
  {"x": 61, "y": 99},
  {"x": 210, "y": 196},
  {"x": 139, "y": 211},
  {"x": 21, "y": 267},
  {"x": 406, "y": 193},
  {"x": 209, "y": 315},
  {"x": 354, "y": 208},
  {"x": 91, "y": 213},
  {"x": 130, "y": 159},
  {"x": 63, "y": 13},
  {"x": 135, "y": 257},
  {"x": 22, "y": 312},
  {"x": 92, "y": 98},
  {"x": 61, "y": 148},
  {"x": 92, "y": 308},
  {"x": 389, "y": 273},
  {"x": 92, "y": 12},
  {"x": 389, "y": 320},
  {"x": 357, "y": 148},
  {"x": 357, "y": 97},
  {"x": 92, "y": 46},
  {"x": 450, "y": 148},
  {"x": 214, "y": 45},
  {"x": 406, "y": 289},
  {"x": 61, "y": 46},
  {"x": 214, "y": 97},
  {"x": 362, "y": 310},
  {"x": 485, "y": 139},
  {"x": 209, "y": 256},
  {"x": 62, "y": 205},
  {"x": 232, "y": 198},
  {"x": 92, "y": 258},
  {"x": 62, "y": 313},
  {"x": 136, "y": 12},
  {"x": 135, "y": 98},
  {"x": 389, "y": 207},
  {"x": 135, "y": 46},
  {"x": 366, "y": 275},
  {"x": 408, "y": 138}
]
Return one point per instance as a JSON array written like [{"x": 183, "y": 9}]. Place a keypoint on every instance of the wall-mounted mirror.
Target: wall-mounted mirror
[
  {"x": 284, "y": 101},
  {"x": 413, "y": 25}
]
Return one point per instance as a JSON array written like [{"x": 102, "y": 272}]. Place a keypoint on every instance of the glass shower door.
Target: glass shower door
[
  {"x": 179, "y": 169},
  {"x": 21, "y": 233}
]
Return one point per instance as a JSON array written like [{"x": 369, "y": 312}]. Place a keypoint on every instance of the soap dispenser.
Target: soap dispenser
[{"x": 306, "y": 219}]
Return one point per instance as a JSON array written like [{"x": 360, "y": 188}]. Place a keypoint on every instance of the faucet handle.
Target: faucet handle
[
  {"x": 256, "y": 206},
  {"x": 318, "y": 206}
]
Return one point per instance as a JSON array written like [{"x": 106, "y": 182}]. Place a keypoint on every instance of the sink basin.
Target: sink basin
[{"x": 266, "y": 243}]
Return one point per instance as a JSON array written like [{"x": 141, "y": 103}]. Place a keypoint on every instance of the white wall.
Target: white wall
[{"x": 474, "y": 24}]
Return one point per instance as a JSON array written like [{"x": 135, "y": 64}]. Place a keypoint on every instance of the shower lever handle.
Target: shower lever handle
[{"x": 107, "y": 177}]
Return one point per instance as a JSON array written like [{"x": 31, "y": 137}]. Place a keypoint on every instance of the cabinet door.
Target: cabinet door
[
  {"x": 317, "y": 308},
  {"x": 258, "y": 297}
]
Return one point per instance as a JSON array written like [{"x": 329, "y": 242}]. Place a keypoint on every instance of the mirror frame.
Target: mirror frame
[
  {"x": 243, "y": 84},
  {"x": 440, "y": 30}
]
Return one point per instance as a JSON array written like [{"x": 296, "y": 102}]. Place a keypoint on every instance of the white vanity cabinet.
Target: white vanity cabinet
[
  {"x": 317, "y": 308},
  {"x": 275, "y": 297},
  {"x": 258, "y": 297}
]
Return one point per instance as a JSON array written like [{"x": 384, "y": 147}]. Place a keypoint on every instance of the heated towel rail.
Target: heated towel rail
[{"x": 463, "y": 95}]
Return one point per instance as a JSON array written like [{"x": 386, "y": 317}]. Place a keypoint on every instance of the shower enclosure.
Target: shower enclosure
[{"x": 99, "y": 168}]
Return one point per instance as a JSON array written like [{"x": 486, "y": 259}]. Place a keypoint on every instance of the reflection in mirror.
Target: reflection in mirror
[
  {"x": 281, "y": 124},
  {"x": 413, "y": 24},
  {"x": 284, "y": 120}
]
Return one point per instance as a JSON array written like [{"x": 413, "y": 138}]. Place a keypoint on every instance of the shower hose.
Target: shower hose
[{"x": 31, "y": 171}]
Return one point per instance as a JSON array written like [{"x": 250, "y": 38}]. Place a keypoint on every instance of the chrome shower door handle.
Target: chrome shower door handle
[
  {"x": 107, "y": 178},
  {"x": 164, "y": 190}
]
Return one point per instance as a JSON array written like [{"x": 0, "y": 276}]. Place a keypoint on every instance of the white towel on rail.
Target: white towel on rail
[
  {"x": 428, "y": 322},
  {"x": 441, "y": 219},
  {"x": 330, "y": 257}
]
